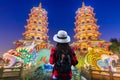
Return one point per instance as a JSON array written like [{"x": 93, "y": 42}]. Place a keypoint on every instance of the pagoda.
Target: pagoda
[
  {"x": 36, "y": 28},
  {"x": 86, "y": 30}
]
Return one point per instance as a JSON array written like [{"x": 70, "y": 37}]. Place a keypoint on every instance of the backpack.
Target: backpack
[{"x": 63, "y": 62}]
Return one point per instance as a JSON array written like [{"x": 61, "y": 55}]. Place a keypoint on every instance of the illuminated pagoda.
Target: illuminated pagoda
[
  {"x": 86, "y": 30},
  {"x": 36, "y": 28}
]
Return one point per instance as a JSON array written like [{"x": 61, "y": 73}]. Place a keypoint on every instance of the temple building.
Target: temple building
[
  {"x": 86, "y": 30},
  {"x": 36, "y": 28}
]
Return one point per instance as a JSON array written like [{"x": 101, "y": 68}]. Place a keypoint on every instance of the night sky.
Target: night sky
[{"x": 61, "y": 15}]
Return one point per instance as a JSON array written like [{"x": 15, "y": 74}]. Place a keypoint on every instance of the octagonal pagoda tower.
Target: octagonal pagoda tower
[
  {"x": 36, "y": 28},
  {"x": 86, "y": 27},
  {"x": 86, "y": 30}
]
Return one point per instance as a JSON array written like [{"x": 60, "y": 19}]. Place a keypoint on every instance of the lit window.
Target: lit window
[
  {"x": 84, "y": 49},
  {"x": 38, "y": 29},
  {"x": 35, "y": 15},
  {"x": 87, "y": 14},
  {"x": 35, "y": 22},
  {"x": 88, "y": 21},
  {"x": 83, "y": 22},
  {"x": 90, "y": 38},
  {"x": 33, "y": 29},
  {"x": 38, "y": 38},
  {"x": 32, "y": 37},
  {"x": 39, "y": 22},
  {"x": 89, "y": 29},
  {"x": 83, "y": 38},
  {"x": 83, "y": 30}
]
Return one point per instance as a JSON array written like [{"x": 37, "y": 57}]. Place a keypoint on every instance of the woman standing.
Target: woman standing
[{"x": 62, "y": 56}]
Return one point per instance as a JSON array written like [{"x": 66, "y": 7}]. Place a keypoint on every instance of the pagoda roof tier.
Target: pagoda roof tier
[
  {"x": 36, "y": 25},
  {"x": 86, "y": 14},
  {"x": 39, "y": 9},
  {"x": 37, "y": 20},
  {"x": 45, "y": 23},
  {"x": 38, "y": 12},
  {"x": 85, "y": 10},
  {"x": 88, "y": 24},
  {"x": 86, "y": 20},
  {"x": 34, "y": 32},
  {"x": 86, "y": 28},
  {"x": 45, "y": 30},
  {"x": 86, "y": 33},
  {"x": 38, "y": 16},
  {"x": 83, "y": 22},
  {"x": 84, "y": 17},
  {"x": 36, "y": 36}
]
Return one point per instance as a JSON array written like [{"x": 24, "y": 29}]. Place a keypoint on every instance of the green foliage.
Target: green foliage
[
  {"x": 115, "y": 47},
  {"x": 39, "y": 74},
  {"x": 76, "y": 74}
]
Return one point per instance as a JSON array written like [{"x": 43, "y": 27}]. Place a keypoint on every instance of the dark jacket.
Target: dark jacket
[{"x": 55, "y": 72}]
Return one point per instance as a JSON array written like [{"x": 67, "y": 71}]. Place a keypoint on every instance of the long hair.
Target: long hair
[{"x": 64, "y": 47}]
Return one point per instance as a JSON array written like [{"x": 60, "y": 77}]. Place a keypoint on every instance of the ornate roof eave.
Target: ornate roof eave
[
  {"x": 35, "y": 19},
  {"x": 35, "y": 26},
  {"x": 34, "y": 32},
  {"x": 38, "y": 12},
  {"x": 44, "y": 24},
  {"x": 93, "y": 24},
  {"x": 95, "y": 20},
  {"x": 31, "y": 24},
  {"x": 79, "y": 15},
  {"x": 88, "y": 32},
  {"x": 38, "y": 19},
  {"x": 27, "y": 32}
]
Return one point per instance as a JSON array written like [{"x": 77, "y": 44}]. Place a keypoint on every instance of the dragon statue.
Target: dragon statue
[
  {"x": 27, "y": 54},
  {"x": 100, "y": 58}
]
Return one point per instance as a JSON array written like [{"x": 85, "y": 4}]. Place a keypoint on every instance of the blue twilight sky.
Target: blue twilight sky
[{"x": 61, "y": 15}]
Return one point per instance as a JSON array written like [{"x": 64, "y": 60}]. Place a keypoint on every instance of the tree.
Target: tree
[
  {"x": 113, "y": 40},
  {"x": 115, "y": 47}
]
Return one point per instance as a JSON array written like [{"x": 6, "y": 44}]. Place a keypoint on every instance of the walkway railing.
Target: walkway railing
[{"x": 93, "y": 74}]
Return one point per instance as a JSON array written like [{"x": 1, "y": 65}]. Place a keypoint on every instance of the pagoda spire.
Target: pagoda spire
[
  {"x": 83, "y": 4},
  {"x": 40, "y": 5}
]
